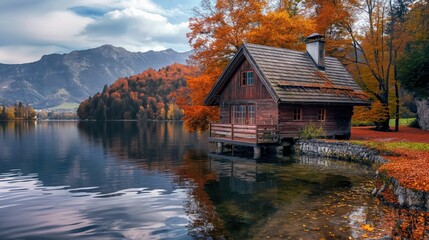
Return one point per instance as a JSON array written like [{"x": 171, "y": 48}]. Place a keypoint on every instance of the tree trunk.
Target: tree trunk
[
  {"x": 395, "y": 76},
  {"x": 396, "y": 105},
  {"x": 423, "y": 112}
]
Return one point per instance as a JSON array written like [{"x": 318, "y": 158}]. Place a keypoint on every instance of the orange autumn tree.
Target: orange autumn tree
[
  {"x": 378, "y": 39},
  {"x": 332, "y": 18},
  {"x": 218, "y": 30},
  {"x": 280, "y": 29},
  {"x": 197, "y": 117},
  {"x": 366, "y": 115},
  {"x": 373, "y": 53}
]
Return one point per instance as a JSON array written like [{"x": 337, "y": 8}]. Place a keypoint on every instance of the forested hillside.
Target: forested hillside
[{"x": 148, "y": 95}]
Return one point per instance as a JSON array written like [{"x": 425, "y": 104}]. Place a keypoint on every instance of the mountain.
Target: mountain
[{"x": 72, "y": 77}]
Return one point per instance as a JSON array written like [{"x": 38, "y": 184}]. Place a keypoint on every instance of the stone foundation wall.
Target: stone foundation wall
[
  {"x": 360, "y": 154},
  {"x": 340, "y": 150}
]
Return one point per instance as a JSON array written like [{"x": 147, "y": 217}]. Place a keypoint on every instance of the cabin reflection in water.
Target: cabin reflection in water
[
  {"x": 246, "y": 176},
  {"x": 241, "y": 175},
  {"x": 334, "y": 164}
]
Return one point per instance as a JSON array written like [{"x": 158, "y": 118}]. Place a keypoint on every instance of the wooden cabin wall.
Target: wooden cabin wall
[
  {"x": 224, "y": 113},
  {"x": 256, "y": 94},
  {"x": 266, "y": 111},
  {"x": 337, "y": 123},
  {"x": 234, "y": 91}
]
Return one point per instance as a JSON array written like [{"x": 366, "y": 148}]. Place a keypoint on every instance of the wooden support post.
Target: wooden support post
[
  {"x": 219, "y": 148},
  {"x": 279, "y": 151},
  {"x": 256, "y": 152}
]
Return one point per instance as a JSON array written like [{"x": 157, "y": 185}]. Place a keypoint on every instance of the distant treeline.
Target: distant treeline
[
  {"x": 148, "y": 95},
  {"x": 18, "y": 112},
  {"x": 63, "y": 115}
]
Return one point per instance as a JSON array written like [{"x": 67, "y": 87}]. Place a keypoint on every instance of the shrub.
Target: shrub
[
  {"x": 311, "y": 131},
  {"x": 414, "y": 124},
  {"x": 369, "y": 116},
  {"x": 362, "y": 123}
]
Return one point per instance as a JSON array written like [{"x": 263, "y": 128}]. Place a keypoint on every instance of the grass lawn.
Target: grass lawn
[
  {"x": 392, "y": 146},
  {"x": 402, "y": 121}
]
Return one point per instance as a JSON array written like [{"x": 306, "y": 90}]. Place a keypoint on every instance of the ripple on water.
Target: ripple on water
[{"x": 29, "y": 209}]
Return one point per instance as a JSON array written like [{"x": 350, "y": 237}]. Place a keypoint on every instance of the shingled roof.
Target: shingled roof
[{"x": 293, "y": 77}]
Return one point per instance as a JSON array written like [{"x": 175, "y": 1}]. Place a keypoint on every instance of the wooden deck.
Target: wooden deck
[{"x": 246, "y": 135}]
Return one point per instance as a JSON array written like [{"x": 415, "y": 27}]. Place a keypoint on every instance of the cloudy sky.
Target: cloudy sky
[{"x": 32, "y": 28}]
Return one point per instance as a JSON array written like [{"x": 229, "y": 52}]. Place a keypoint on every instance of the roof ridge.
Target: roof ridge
[
  {"x": 286, "y": 49},
  {"x": 265, "y": 46}
]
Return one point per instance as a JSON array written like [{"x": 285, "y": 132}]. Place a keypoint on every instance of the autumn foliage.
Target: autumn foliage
[
  {"x": 407, "y": 152},
  {"x": 148, "y": 95},
  {"x": 17, "y": 112},
  {"x": 410, "y": 168},
  {"x": 219, "y": 29},
  {"x": 369, "y": 37},
  {"x": 372, "y": 114}
]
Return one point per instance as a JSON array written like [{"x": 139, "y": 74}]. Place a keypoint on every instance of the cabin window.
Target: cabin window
[
  {"x": 297, "y": 114},
  {"x": 243, "y": 114},
  {"x": 247, "y": 78},
  {"x": 239, "y": 113},
  {"x": 251, "y": 114},
  {"x": 322, "y": 114}
]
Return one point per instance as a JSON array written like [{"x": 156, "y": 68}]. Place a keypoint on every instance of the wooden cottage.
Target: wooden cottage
[{"x": 267, "y": 95}]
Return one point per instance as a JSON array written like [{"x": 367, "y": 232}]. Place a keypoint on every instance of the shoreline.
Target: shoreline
[{"x": 386, "y": 186}]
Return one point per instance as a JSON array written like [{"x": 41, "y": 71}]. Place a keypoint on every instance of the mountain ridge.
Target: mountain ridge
[{"x": 72, "y": 77}]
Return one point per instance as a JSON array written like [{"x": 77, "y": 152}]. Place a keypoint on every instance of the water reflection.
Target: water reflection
[
  {"x": 138, "y": 180},
  {"x": 18, "y": 129},
  {"x": 60, "y": 181},
  {"x": 151, "y": 145},
  {"x": 30, "y": 209}
]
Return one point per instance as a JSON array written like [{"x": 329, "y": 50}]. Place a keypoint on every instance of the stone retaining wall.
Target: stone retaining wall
[
  {"x": 360, "y": 154},
  {"x": 340, "y": 150}
]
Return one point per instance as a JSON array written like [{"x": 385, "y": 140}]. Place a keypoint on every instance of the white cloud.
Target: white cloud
[
  {"x": 34, "y": 27},
  {"x": 23, "y": 53},
  {"x": 144, "y": 5},
  {"x": 55, "y": 26},
  {"x": 137, "y": 26},
  {"x": 138, "y": 30}
]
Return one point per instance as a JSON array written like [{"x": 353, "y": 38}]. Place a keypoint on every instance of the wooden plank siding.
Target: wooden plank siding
[
  {"x": 224, "y": 113},
  {"x": 266, "y": 111},
  {"x": 234, "y": 90},
  {"x": 337, "y": 119},
  {"x": 234, "y": 93}
]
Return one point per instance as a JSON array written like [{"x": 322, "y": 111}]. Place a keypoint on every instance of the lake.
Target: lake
[{"x": 154, "y": 180}]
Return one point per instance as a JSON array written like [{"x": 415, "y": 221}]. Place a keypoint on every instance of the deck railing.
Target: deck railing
[{"x": 258, "y": 133}]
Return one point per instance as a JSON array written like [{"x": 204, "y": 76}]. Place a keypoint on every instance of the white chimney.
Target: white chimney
[{"x": 316, "y": 49}]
